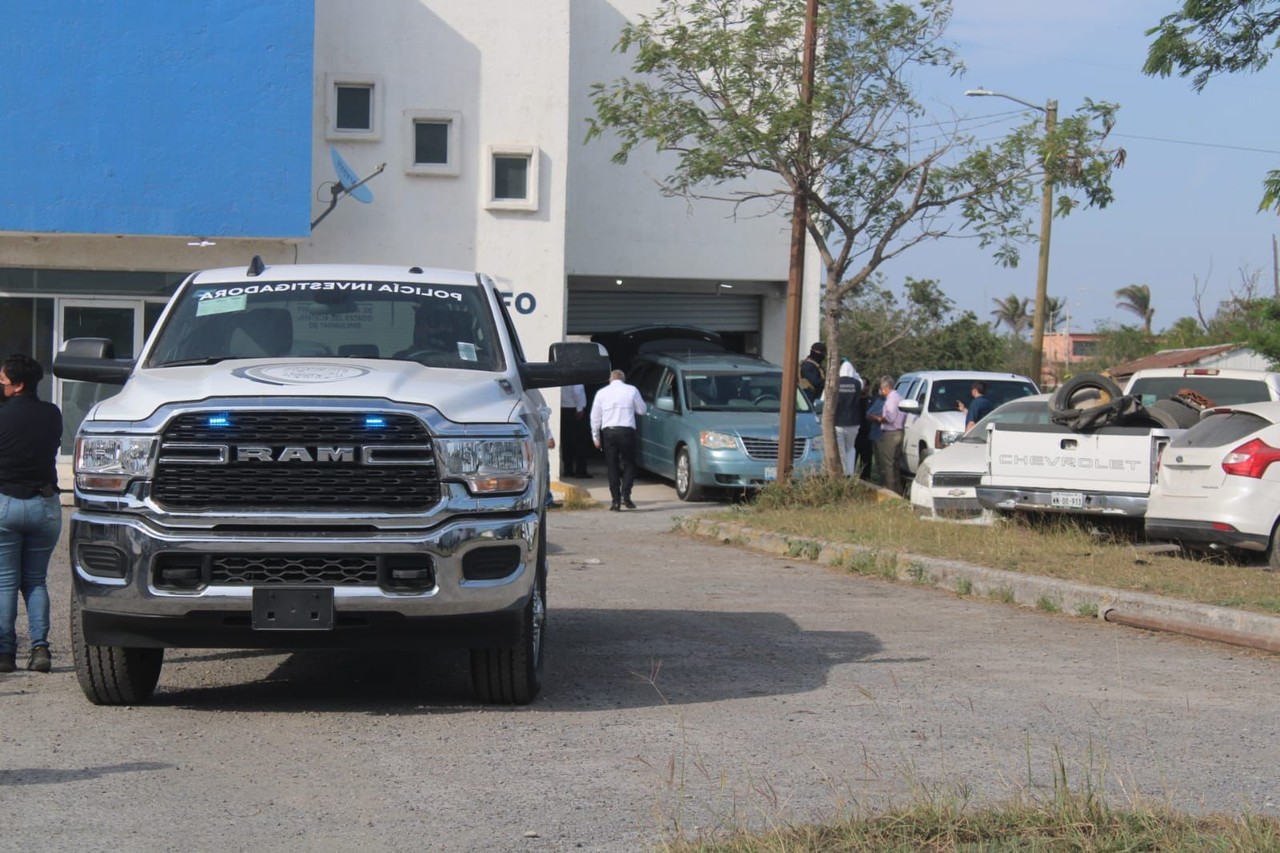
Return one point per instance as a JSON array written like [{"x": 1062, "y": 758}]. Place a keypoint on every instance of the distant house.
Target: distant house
[
  {"x": 1236, "y": 356},
  {"x": 1064, "y": 350}
]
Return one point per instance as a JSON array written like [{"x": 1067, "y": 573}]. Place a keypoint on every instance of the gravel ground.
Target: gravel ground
[{"x": 690, "y": 686}]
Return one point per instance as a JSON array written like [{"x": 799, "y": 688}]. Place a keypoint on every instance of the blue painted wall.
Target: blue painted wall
[{"x": 156, "y": 118}]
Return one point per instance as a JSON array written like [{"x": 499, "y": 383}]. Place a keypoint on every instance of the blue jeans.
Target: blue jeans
[{"x": 28, "y": 531}]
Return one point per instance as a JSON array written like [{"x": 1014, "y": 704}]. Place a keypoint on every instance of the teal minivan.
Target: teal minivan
[{"x": 713, "y": 421}]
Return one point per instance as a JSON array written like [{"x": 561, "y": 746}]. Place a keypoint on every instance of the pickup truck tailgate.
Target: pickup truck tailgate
[{"x": 1047, "y": 466}]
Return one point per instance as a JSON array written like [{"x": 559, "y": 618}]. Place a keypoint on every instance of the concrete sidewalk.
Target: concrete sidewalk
[{"x": 647, "y": 491}]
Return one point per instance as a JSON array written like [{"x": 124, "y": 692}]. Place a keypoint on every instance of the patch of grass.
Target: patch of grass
[
  {"x": 862, "y": 562},
  {"x": 964, "y": 586},
  {"x": 1001, "y": 593},
  {"x": 803, "y": 548},
  {"x": 1048, "y": 605},
  {"x": 1087, "y": 609},
  {"x": 918, "y": 573},
  {"x": 816, "y": 491},
  {"x": 822, "y": 509},
  {"x": 888, "y": 566},
  {"x": 1076, "y": 822}
]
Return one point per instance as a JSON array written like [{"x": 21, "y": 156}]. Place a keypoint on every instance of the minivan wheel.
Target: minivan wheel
[{"x": 686, "y": 488}]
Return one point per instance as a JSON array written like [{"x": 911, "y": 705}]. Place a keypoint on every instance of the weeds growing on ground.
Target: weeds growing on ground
[{"x": 842, "y": 510}]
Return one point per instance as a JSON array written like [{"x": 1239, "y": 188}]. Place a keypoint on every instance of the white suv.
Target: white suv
[{"x": 929, "y": 399}]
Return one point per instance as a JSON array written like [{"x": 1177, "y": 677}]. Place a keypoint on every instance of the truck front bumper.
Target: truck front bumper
[
  {"x": 1053, "y": 500},
  {"x": 480, "y": 576}
]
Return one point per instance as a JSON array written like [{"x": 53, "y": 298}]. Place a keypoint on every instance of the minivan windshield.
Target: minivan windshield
[
  {"x": 724, "y": 391},
  {"x": 435, "y": 325}
]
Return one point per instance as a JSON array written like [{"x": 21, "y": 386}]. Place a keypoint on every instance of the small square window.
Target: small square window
[
  {"x": 513, "y": 177},
  {"x": 510, "y": 177},
  {"x": 431, "y": 142},
  {"x": 353, "y": 107}
]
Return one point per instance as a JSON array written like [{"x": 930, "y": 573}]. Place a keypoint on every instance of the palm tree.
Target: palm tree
[
  {"x": 1055, "y": 312},
  {"x": 1137, "y": 298},
  {"x": 1014, "y": 312}
]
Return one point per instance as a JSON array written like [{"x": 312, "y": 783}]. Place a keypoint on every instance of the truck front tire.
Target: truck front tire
[
  {"x": 513, "y": 676},
  {"x": 113, "y": 675}
]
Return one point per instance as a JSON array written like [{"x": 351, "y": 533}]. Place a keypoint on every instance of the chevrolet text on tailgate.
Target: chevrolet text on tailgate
[{"x": 320, "y": 456}]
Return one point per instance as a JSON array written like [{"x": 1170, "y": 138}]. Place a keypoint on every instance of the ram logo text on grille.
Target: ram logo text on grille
[{"x": 296, "y": 454}]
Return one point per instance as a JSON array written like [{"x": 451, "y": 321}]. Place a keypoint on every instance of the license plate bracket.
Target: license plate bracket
[
  {"x": 293, "y": 609},
  {"x": 1067, "y": 500}
]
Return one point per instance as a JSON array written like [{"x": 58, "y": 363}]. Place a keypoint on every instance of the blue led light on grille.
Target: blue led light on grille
[
  {"x": 219, "y": 420},
  {"x": 375, "y": 421}
]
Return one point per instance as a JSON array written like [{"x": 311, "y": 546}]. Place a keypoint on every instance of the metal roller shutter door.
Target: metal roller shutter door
[{"x": 592, "y": 311}]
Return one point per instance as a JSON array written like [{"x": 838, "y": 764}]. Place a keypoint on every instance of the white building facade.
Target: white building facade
[{"x": 478, "y": 112}]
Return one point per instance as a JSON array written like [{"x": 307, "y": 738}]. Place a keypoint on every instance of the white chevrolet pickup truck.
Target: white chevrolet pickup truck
[
  {"x": 1110, "y": 469},
  {"x": 319, "y": 456}
]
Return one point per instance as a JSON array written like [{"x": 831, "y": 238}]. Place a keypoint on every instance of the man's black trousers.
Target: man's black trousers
[{"x": 619, "y": 445}]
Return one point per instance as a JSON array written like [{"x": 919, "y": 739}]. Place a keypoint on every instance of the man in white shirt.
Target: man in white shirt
[
  {"x": 613, "y": 429},
  {"x": 575, "y": 432}
]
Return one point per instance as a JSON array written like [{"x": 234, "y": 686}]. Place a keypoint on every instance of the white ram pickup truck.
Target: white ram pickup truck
[
  {"x": 1109, "y": 470},
  {"x": 322, "y": 456}
]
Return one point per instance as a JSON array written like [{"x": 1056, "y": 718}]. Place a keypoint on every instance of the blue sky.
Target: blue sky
[{"x": 1185, "y": 214}]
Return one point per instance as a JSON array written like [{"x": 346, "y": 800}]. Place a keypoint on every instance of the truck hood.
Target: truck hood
[{"x": 459, "y": 395}]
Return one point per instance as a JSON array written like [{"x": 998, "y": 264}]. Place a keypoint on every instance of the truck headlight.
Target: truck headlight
[
  {"x": 717, "y": 440},
  {"x": 946, "y": 437},
  {"x": 488, "y": 466},
  {"x": 108, "y": 463}
]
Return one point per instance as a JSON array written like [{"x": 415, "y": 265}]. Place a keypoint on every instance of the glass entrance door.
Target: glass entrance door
[{"x": 121, "y": 321}]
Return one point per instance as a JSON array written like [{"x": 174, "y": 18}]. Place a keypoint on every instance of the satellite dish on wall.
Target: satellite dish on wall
[
  {"x": 348, "y": 183},
  {"x": 348, "y": 178}
]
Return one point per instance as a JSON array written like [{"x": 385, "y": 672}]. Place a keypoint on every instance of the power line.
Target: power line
[{"x": 1199, "y": 144}]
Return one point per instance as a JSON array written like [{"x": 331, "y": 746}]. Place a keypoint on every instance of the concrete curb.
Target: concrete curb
[{"x": 1075, "y": 599}]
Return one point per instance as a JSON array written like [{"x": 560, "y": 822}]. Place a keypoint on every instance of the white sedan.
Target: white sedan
[
  {"x": 946, "y": 482},
  {"x": 1218, "y": 487}
]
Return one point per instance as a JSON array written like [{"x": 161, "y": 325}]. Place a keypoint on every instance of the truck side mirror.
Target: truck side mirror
[
  {"x": 91, "y": 360},
  {"x": 571, "y": 363}
]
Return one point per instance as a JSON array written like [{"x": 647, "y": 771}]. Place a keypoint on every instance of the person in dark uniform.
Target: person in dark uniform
[
  {"x": 813, "y": 372},
  {"x": 30, "y": 512}
]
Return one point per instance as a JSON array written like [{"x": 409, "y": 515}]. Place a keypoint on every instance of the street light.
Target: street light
[{"x": 1050, "y": 110}]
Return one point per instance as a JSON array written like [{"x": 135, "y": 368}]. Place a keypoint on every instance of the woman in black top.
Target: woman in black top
[{"x": 30, "y": 512}]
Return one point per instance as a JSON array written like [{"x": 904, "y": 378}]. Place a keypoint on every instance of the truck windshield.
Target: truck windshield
[
  {"x": 434, "y": 325},
  {"x": 714, "y": 391}
]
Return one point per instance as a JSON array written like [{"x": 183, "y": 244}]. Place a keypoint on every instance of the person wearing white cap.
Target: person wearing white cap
[{"x": 848, "y": 415}]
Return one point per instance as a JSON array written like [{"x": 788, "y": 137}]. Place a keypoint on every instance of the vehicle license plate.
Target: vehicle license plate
[
  {"x": 293, "y": 609},
  {"x": 1067, "y": 500},
  {"x": 771, "y": 473}
]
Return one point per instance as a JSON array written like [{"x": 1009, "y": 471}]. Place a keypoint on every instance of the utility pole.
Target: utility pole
[
  {"x": 795, "y": 276},
  {"x": 1275, "y": 267},
  {"x": 1042, "y": 270},
  {"x": 1050, "y": 110}
]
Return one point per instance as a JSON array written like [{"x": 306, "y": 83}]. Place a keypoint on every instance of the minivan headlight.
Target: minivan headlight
[
  {"x": 717, "y": 440},
  {"x": 109, "y": 463},
  {"x": 489, "y": 466}
]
